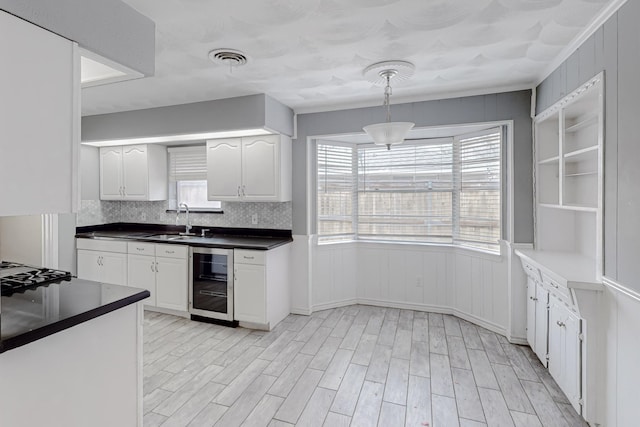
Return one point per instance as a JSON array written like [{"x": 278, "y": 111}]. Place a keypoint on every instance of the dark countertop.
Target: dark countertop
[
  {"x": 226, "y": 238},
  {"x": 32, "y": 315}
]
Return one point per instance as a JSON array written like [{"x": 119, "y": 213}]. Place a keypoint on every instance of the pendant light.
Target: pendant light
[{"x": 388, "y": 133}]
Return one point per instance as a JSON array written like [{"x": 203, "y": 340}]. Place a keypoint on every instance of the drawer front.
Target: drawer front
[
  {"x": 172, "y": 251},
  {"x": 531, "y": 271},
  {"x": 141, "y": 248},
  {"x": 557, "y": 288},
  {"x": 244, "y": 256},
  {"x": 119, "y": 246}
]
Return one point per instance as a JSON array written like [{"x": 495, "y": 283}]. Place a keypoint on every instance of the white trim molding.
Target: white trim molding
[
  {"x": 50, "y": 240},
  {"x": 619, "y": 288}
]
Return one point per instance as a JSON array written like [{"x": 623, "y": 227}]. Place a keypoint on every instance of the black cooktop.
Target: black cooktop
[{"x": 18, "y": 278}]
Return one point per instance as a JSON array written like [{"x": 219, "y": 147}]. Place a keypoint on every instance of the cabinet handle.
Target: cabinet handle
[
  {"x": 243, "y": 193},
  {"x": 156, "y": 266},
  {"x": 238, "y": 191},
  {"x": 152, "y": 267},
  {"x": 247, "y": 257},
  {"x": 561, "y": 324},
  {"x": 169, "y": 252},
  {"x": 533, "y": 299},
  {"x": 139, "y": 249}
]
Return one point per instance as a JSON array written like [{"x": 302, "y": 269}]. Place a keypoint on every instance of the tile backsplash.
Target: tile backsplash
[{"x": 236, "y": 214}]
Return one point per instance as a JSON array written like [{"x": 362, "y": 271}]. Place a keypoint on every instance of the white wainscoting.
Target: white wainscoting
[
  {"x": 301, "y": 275},
  {"x": 621, "y": 318},
  {"x": 469, "y": 284}
]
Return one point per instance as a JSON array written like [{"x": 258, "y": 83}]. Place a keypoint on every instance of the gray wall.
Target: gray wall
[
  {"x": 614, "y": 48},
  {"x": 514, "y": 106},
  {"x": 110, "y": 28}
]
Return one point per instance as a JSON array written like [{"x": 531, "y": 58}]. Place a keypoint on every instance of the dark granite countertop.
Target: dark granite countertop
[
  {"x": 216, "y": 237},
  {"x": 32, "y": 315}
]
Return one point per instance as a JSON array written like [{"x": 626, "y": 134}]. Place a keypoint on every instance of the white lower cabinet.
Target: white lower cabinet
[
  {"x": 261, "y": 288},
  {"x": 163, "y": 271},
  {"x": 102, "y": 261},
  {"x": 555, "y": 332},
  {"x": 565, "y": 349},
  {"x": 541, "y": 324},
  {"x": 250, "y": 293}
]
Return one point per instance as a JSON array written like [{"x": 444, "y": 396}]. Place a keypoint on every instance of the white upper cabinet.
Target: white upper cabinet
[
  {"x": 133, "y": 172},
  {"x": 223, "y": 169},
  {"x": 111, "y": 173},
  {"x": 39, "y": 119},
  {"x": 256, "y": 168}
]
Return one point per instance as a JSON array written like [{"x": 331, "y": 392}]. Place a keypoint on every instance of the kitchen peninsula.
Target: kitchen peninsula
[{"x": 74, "y": 349}]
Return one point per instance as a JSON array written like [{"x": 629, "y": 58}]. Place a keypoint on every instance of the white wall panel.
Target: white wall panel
[
  {"x": 429, "y": 278},
  {"x": 300, "y": 298}
]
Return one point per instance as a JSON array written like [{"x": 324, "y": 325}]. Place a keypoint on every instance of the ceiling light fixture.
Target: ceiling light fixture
[{"x": 388, "y": 133}]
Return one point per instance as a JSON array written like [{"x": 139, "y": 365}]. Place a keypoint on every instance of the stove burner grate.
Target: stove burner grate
[{"x": 18, "y": 278}]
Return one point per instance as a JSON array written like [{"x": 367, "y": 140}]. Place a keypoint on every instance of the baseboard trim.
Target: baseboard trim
[
  {"x": 301, "y": 311},
  {"x": 334, "y": 304},
  {"x": 619, "y": 288},
  {"x": 493, "y": 327},
  {"x": 518, "y": 340},
  {"x": 168, "y": 311}
]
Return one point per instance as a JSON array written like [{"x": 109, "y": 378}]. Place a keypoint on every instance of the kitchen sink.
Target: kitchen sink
[{"x": 168, "y": 237}]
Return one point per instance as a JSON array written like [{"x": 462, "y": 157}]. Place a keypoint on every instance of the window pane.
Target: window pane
[
  {"x": 406, "y": 193},
  {"x": 479, "y": 212},
  {"x": 194, "y": 194},
  {"x": 336, "y": 192},
  {"x": 422, "y": 217}
]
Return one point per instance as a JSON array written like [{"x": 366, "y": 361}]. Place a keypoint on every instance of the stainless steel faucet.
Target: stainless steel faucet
[{"x": 187, "y": 227}]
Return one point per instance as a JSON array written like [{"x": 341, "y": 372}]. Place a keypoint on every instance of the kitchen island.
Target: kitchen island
[{"x": 71, "y": 355}]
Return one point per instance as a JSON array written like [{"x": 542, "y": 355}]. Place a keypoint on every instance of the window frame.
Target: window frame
[{"x": 505, "y": 208}]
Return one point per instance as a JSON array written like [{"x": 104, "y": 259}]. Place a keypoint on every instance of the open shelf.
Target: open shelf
[
  {"x": 549, "y": 160},
  {"x": 584, "y": 122},
  {"x": 569, "y": 207},
  {"x": 576, "y": 155}
]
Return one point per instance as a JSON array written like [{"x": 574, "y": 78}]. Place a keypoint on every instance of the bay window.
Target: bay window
[{"x": 442, "y": 191}]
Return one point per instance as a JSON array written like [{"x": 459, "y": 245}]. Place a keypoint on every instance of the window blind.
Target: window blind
[
  {"x": 336, "y": 201},
  {"x": 187, "y": 163},
  {"x": 406, "y": 193},
  {"x": 479, "y": 207}
]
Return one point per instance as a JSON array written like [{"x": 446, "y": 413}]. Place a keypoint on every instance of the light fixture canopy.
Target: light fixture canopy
[{"x": 388, "y": 133}]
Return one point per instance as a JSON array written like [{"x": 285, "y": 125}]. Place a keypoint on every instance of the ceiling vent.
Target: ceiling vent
[{"x": 229, "y": 57}]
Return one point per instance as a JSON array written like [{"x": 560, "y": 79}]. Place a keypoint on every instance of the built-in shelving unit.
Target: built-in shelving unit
[
  {"x": 568, "y": 175},
  {"x": 564, "y": 270}
]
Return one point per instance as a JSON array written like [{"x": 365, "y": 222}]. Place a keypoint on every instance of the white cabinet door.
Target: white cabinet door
[
  {"x": 250, "y": 293},
  {"x": 542, "y": 325},
  {"x": 39, "y": 119},
  {"x": 224, "y": 174},
  {"x": 88, "y": 265},
  {"x": 142, "y": 274},
  {"x": 113, "y": 268},
  {"x": 111, "y": 173},
  {"x": 565, "y": 350},
  {"x": 572, "y": 372},
  {"x": 171, "y": 283},
  {"x": 135, "y": 167},
  {"x": 531, "y": 312},
  {"x": 260, "y": 167}
]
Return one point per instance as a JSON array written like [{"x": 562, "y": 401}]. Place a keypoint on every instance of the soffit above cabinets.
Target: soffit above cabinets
[
  {"x": 111, "y": 32},
  {"x": 309, "y": 54}
]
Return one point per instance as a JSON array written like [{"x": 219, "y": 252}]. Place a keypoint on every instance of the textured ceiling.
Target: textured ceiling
[{"x": 309, "y": 54}]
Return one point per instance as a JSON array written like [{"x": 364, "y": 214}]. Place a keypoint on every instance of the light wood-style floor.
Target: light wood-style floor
[{"x": 357, "y": 365}]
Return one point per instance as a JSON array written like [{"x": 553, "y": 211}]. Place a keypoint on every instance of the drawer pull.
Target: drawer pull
[
  {"x": 561, "y": 324},
  {"x": 139, "y": 249},
  {"x": 533, "y": 298},
  {"x": 247, "y": 257},
  {"x": 169, "y": 252},
  {"x": 555, "y": 285}
]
